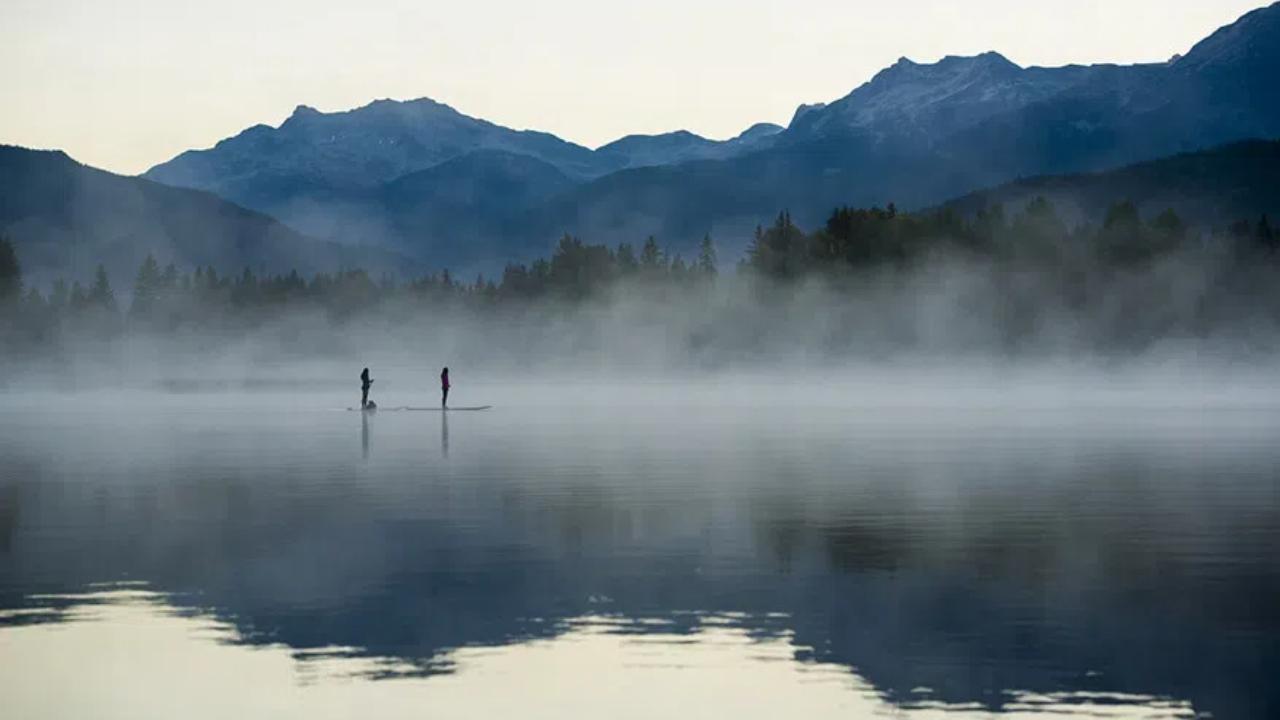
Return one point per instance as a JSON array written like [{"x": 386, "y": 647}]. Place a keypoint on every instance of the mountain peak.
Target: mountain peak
[
  {"x": 418, "y": 102},
  {"x": 759, "y": 130},
  {"x": 14, "y": 153},
  {"x": 302, "y": 114},
  {"x": 380, "y": 107},
  {"x": 991, "y": 57},
  {"x": 949, "y": 65},
  {"x": 813, "y": 107},
  {"x": 1257, "y": 33},
  {"x": 646, "y": 149},
  {"x": 925, "y": 101}
]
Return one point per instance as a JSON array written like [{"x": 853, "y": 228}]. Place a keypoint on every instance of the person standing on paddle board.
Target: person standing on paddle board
[
  {"x": 365, "y": 383},
  {"x": 444, "y": 388}
]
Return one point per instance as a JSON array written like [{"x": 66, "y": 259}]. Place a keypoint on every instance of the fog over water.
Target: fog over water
[
  {"x": 943, "y": 491},
  {"x": 894, "y": 329},
  {"x": 914, "y": 540},
  {"x": 1014, "y": 455}
]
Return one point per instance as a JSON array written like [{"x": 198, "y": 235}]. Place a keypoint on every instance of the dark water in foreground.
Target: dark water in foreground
[{"x": 200, "y": 556}]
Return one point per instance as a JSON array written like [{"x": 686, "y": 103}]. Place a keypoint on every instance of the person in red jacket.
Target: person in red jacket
[{"x": 444, "y": 388}]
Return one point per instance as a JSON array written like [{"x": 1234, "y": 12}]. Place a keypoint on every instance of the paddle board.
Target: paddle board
[{"x": 424, "y": 409}]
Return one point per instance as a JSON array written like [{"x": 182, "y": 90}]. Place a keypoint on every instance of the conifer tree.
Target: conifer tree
[
  {"x": 651, "y": 256},
  {"x": 10, "y": 272},
  {"x": 625, "y": 259},
  {"x": 1267, "y": 237},
  {"x": 146, "y": 288},
  {"x": 101, "y": 295},
  {"x": 78, "y": 300},
  {"x": 168, "y": 280},
  {"x": 707, "y": 257},
  {"x": 677, "y": 271},
  {"x": 58, "y": 295}
]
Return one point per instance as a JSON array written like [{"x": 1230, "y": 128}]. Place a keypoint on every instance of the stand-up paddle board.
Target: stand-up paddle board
[{"x": 423, "y": 409}]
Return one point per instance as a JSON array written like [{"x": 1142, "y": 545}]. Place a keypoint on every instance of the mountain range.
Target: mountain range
[
  {"x": 66, "y": 218},
  {"x": 1208, "y": 188},
  {"x": 424, "y": 181}
]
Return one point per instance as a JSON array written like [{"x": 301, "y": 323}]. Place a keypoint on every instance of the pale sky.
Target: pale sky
[{"x": 126, "y": 84}]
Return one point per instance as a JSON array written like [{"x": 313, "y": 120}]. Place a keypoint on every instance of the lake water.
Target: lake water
[{"x": 652, "y": 555}]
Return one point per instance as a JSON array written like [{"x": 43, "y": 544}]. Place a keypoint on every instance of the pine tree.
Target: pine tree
[
  {"x": 169, "y": 280},
  {"x": 651, "y": 260},
  {"x": 146, "y": 288},
  {"x": 34, "y": 303},
  {"x": 625, "y": 259},
  {"x": 1122, "y": 217},
  {"x": 78, "y": 300},
  {"x": 101, "y": 295},
  {"x": 58, "y": 295},
  {"x": 1170, "y": 225},
  {"x": 782, "y": 251},
  {"x": 1267, "y": 237},
  {"x": 678, "y": 270},
  {"x": 10, "y": 272},
  {"x": 707, "y": 258}
]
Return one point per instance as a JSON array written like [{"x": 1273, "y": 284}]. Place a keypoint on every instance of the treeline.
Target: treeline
[
  {"x": 1030, "y": 282},
  {"x": 1072, "y": 267},
  {"x": 858, "y": 239},
  {"x": 166, "y": 299}
]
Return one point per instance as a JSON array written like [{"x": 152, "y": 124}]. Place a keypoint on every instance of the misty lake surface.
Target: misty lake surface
[{"x": 654, "y": 553}]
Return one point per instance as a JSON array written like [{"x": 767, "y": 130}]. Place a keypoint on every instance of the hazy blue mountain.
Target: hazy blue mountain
[
  {"x": 1209, "y": 188},
  {"x": 919, "y": 134},
  {"x": 317, "y": 170},
  {"x": 922, "y": 104},
  {"x": 1221, "y": 90},
  {"x": 65, "y": 218},
  {"x": 915, "y": 134},
  {"x": 314, "y": 159},
  {"x": 453, "y": 212},
  {"x": 683, "y": 146}
]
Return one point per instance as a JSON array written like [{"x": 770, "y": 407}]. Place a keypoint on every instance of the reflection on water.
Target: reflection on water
[
  {"x": 653, "y": 561},
  {"x": 598, "y": 666},
  {"x": 364, "y": 435}
]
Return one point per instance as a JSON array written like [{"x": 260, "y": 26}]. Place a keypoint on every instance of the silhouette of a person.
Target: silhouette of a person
[
  {"x": 444, "y": 388},
  {"x": 365, "y": 383}
]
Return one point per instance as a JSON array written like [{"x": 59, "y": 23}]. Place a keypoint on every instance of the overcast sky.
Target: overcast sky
[{"x": 126, "y": 84}]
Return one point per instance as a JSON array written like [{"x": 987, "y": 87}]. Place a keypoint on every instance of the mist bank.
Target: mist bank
[{"x": 873, "y": 286}]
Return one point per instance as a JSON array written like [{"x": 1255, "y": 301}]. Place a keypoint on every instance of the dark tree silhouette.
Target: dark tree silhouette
[
  {"x": 1031, "y": 259},
  {"x": 707, "y": 260},
  {"x": 10, "y": 272},
  {"x": 146, "y": 289},
  {"x": 101, "y": 295}
]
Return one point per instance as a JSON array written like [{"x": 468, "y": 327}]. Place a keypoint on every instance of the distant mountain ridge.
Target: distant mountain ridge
[
  {"x": 315, "y": 159},
  {"x": 1208, "y": 188},
  {"x": 360, "y": 149},
  {"x": 683, "y": 146},
  {"x": 65, "y": 218},
  {"x": 915, "y": 134}
]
